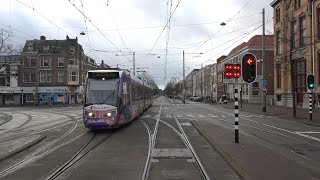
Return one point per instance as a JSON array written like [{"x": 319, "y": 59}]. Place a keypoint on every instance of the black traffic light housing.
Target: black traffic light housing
[
  {"x": 310, "y": 81},
  {"x": 249, "y": 67}
]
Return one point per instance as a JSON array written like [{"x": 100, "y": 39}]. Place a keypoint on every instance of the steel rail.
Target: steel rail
[
  {"x": 76, "y": 158},
  {"x": 200, "y": 166},
  {"x": 152, "y": 142}
]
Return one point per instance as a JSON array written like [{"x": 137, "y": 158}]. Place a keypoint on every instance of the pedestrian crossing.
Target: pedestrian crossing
[{"x": 197, "y": 115}]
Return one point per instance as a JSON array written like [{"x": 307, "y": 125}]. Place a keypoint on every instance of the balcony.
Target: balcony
[{"x": 71, "y": 66}]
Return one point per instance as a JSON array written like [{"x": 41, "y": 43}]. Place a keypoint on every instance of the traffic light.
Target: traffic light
[
  {"x": 236, "y": 71},
  {"x": 310, "y": 81},
  {"x": 249, "y": 68},
  {"x": 228, "y": 69}
]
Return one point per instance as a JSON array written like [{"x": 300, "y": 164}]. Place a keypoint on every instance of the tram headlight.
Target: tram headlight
[
  {"x": 90, "y": 114},
  {"x": 110, "y": 114}
]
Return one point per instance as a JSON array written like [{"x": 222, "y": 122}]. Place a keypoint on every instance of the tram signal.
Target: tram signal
[
  {"x": 236, "y": 71},
  {"x": 249, "y": 68},
  {"x": 310, "y": 81},
  {"x": 228, "y": 71}
]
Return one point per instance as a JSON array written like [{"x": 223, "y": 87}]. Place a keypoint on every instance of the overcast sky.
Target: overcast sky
[{"x": 124, "y": 26}]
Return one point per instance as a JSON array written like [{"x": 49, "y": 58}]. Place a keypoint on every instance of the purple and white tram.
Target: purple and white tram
[{"x": 113, "y": 98}]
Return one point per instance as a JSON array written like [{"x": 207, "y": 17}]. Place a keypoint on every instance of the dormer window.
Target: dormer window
[{"x": 72, "y": 49}]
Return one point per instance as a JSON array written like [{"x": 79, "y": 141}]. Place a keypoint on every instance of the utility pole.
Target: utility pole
[
  {"x": 134, "y": 64},
  {"x": 184, "y": 81},
  {"x": 264, "y": 96}
]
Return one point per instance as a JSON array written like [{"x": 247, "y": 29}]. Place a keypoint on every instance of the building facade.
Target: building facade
[
  {"x": 53, "y": 71},
  {"x": 296, "y": 50},
  {"x": 10, "y": 92}
]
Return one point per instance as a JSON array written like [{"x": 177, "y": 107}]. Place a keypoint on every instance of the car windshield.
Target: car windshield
[{"x": 102, "y": 91}]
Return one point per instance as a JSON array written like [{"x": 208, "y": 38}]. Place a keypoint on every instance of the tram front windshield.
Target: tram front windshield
[{"x": 101, "y": 91}]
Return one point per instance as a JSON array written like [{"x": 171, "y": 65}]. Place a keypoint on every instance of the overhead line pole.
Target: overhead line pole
[
  {"x": 264, "y": 96},
  {"x": 184, "y": 81}
]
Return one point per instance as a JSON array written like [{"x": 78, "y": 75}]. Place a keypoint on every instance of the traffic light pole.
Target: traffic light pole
[
  {"x": 310, "y": 105},
  {"x": 236, "y": 113},
  {"x": 264, "y": 96}
]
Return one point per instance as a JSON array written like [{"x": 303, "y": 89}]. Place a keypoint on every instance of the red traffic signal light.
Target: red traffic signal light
[
  {"x": 232, "y": 71},
  {"x": 249, "y": 67}
]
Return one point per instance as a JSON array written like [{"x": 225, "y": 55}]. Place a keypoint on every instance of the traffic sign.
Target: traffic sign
[{"x": 264, "y": 82}]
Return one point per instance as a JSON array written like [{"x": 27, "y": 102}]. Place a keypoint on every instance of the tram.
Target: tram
[{"x": 113, "y": 98}]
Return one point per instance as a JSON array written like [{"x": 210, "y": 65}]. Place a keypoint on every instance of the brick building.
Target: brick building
[
  {"x": 297, "y": 35},
  {"x": 219, "y": 81},
  {"x": 53, "y": 70}
]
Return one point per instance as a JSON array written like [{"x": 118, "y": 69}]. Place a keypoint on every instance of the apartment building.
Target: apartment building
[
  {"x": 10, "y": 92},
  {"x": 296, "y": 49},
  {"x": 53, "y": 70}
]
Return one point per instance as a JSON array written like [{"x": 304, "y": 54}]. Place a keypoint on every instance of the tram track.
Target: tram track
[
  {"x": 85, "y": 150},
  {"x": 181, "y": 134},
  {"x": 44, "y": 150}
]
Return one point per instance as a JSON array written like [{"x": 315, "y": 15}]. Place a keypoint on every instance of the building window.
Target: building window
[
  {"x": 45, "y": 62},
  {"x": 46, "y": 48},
  {"x": 49, "y": 77},
  {"x": 295, "y": 31},
  {"x": 33, "y": 62},
  {"x": 278, "y": 15},
  {"x": 72, "y": 49},
  {"x": 25, "y": 77},
  {"x": 45, "y": 76},
  {"x": 318, "y": 23},
  {"x": 278, "y": 42},
  {"x": 26, "y": 62},
  {"x": 2, "y": 81},
  {"x": 42, "y": 77},
  {"x": 33, "y": 78},
  {"x": 297, "y": 4},
  {"x": 319, "y": 67},
  {"x": 72, "y": 61},
  {"x": 60, "y": 76},
  {"x": 303, "y": 31},
  {"x": 30, "y": 48},
  {"x": 60, "y": 61},
  {"x": 278, "y": 75},
  {"x": 73, "y": 76}
]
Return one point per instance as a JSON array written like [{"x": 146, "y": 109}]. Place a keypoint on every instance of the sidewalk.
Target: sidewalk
[
  {"x": 280, "y": 112},
  {"x": 255, "y": 159}
]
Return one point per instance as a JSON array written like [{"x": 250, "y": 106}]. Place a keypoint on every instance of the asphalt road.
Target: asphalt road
[{"x": 70, "y": 151}]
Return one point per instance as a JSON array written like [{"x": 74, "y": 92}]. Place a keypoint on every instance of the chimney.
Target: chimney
[
  {"x": 67, "y": 37},
  {"x": 43, "y": 38}
]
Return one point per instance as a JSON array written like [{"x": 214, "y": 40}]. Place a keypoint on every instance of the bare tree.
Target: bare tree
[{"x": 9, "y": 54}]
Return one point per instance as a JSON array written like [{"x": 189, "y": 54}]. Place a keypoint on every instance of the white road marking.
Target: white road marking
[
  {"x": 190, "y": 115},
  {"x": 309, "y": 132},
  {"x": 179, "y": 116},
  {"x": 200, "y": 115},
  {"x": 168, "y": 116}
]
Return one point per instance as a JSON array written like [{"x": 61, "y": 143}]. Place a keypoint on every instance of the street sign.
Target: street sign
[{"x": 264, "y": 82}]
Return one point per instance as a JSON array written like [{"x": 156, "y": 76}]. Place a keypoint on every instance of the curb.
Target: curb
[
  {"x": 232, "y": 163},
  {"x": 288, "y": 119},
  {"x": 22, "y": 148}
]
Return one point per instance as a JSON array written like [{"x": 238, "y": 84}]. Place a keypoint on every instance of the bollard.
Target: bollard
[{"x": 236, "y": 116}]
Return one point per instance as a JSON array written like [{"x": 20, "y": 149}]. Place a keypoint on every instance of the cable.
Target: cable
[
  {"x": 85, "y": 23},
  {"x": 221, "y": 27},
  {"x": 100, "y": 31}
]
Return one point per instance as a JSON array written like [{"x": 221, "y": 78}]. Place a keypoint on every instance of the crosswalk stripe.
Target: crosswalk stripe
[{"x": 200, "y": 115}]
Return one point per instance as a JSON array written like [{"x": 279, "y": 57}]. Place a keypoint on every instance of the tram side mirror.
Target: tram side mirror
[{"x": 124, "y": 88}]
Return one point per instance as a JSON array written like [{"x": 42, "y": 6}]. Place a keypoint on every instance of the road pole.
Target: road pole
[
  {"x": 236, "y": 115},
  {"x": 310, "y": 105},
  {"x": 241, "y": 97},
  {"x": 264, "y": 96},
  {"x": 184, "y": 81},
  {"x": 134, "y": 63},
  {"x": 22, "y": 97}
]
